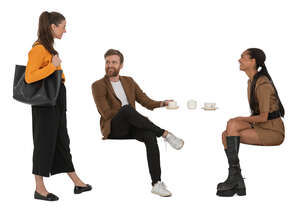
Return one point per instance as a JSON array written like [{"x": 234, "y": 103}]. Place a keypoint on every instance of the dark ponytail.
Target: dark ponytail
[
  {"x": 260, "y": 58},
  {"x": 45, "y": 36}
]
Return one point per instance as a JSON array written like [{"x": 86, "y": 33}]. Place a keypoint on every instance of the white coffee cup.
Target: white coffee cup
[
  {"x": 172, "y": 104},
  {"x": 209, "y": 105},
  {"x": 192, "y": 104}
]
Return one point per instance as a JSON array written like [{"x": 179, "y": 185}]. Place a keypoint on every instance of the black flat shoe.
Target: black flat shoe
[
  {"x": 79, "y": 189},
  {"x": 49, "y": 197}
]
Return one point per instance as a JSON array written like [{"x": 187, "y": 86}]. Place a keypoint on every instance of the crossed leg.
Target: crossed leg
[{"x": 242, "y": 129}]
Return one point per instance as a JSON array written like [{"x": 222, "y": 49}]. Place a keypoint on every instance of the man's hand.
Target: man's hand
[{"x": 165, "y": 103}]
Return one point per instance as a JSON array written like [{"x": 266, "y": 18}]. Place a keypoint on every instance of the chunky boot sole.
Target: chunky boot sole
[
  {"x": 231, "y": 192},
  {"x": 237, "y": 185}
]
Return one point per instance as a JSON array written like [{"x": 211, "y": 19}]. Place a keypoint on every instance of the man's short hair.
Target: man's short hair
[{"x": 114, "y": 52}]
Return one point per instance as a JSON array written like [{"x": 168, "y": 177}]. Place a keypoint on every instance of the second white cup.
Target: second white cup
[{"x": 192, "y": 104}]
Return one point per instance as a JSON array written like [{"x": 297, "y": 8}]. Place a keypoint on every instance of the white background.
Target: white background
[{"x": 173, "y": 49}]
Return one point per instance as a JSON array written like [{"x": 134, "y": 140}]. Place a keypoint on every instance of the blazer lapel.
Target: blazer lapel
[
  {"x": 126, "y": 89},
  {"x": 110, "y": 87}
]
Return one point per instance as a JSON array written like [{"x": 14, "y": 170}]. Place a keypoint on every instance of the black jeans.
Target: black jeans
[
  {"x": 129, "y": 124},
  {"x": 51, "y": 154}
]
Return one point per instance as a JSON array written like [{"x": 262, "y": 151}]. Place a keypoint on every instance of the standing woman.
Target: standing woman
[
  {"x": 51, "y": 153},
  {"x": 263, "y": 127}
]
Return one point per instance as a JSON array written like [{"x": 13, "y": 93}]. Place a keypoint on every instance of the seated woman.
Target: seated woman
[{"x": 263, "y": 127}]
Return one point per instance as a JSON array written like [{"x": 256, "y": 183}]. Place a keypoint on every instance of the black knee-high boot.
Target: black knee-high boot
[
  {"x": 230, "y": 169},
  {"x": 234, "y": 184}
]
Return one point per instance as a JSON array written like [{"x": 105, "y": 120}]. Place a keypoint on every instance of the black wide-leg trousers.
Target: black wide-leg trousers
[{"x": 51, "y": 154}]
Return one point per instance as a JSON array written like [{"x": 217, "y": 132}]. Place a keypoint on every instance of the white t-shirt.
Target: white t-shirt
[{"x": 118, "y": 88}]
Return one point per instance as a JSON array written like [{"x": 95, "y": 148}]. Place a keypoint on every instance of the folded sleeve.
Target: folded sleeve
[
  {"x": 143, "y": 99},
  {"x": 34, "y": 70}
]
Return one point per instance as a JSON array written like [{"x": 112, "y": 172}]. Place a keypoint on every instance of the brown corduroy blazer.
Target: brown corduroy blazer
[{"x": 108, "y": 103}]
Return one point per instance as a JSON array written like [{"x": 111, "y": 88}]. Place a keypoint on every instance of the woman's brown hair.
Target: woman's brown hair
[{"x": 45, "y": 36}]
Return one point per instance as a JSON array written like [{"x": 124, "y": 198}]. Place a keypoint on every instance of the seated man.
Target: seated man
[{"x": 115, "y": 98}]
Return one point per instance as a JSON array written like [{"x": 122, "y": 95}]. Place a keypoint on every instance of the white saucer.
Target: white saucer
[
  {"x": 172, "y": 108},
  {"x": 204, "y": 108}
]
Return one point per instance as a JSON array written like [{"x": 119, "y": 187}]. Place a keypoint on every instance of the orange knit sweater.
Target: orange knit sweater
[{"x": 39, "y": 64}]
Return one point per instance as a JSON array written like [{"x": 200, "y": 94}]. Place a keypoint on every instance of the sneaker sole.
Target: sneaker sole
[{"x": 160, "y": 194}]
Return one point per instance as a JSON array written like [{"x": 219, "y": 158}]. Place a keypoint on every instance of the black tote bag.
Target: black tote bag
[{"x": 41, "y": 93}]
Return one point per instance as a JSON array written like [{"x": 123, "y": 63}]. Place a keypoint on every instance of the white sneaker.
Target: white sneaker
[
  {"x": 160, "y": 189},
  {"x": 176, "y": 143}
]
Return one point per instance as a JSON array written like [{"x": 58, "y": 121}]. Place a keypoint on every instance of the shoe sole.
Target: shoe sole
[
  {"x": 160, "y": 194},
  {"x": 79, "y": 192},
  {"x": 46, "y": 199},
  {"x": 231, "y": 192}
]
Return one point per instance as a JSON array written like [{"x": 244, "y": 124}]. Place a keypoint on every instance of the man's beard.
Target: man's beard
[{"x": 112, "y": 73}]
